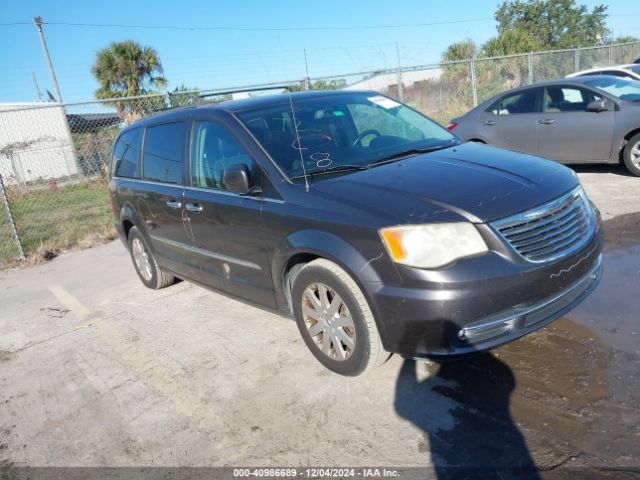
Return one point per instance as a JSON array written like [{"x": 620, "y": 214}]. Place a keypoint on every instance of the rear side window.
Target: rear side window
[
  {"x": 126, "y": 154},
  {"x": 521, "y": 102},
  {"x": 163, "y": 152}
]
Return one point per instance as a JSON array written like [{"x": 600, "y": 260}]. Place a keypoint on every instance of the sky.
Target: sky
[{"x": 269, "y": 49}]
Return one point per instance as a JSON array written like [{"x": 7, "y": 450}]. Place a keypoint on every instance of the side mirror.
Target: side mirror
[
  {"x": 598, "y": 106},
  {"x": 236, "y": 180}
]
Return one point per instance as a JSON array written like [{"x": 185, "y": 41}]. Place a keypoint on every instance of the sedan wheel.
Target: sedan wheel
[{"x": 631, "y": 155}]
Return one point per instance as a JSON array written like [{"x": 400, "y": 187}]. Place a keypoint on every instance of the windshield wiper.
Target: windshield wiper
[
  {"x": 407, "y": 153},
  {"x": 334, "y": 169}
]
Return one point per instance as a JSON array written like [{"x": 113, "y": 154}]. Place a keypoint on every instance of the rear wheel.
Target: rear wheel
[
  {"x": 335, "y": 320},
  {"x": 146, "y": 266},
  {"x": 631, "y": 155}
]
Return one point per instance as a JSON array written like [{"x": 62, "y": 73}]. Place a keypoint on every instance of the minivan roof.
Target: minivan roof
[{"x": 244, "y": 104}]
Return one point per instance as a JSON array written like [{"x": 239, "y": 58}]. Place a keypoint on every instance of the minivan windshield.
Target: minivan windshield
[
  {"x": 340, "y": 133},
  {"x": 628, "y": 90}
]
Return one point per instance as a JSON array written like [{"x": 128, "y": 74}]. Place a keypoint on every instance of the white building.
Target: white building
[
  {"x": 385, "y": 80},
  {"x": 35, "y": 143}
]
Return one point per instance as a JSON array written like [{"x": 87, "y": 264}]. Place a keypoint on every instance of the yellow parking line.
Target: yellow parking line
[{"x": 147, "y": 368}]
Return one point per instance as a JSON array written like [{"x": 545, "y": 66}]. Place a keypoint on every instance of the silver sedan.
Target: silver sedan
[{"x": 571, "y": 120}]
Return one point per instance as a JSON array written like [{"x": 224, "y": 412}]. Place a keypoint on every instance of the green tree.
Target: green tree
[
  {"x": 554, "y": 24},
  {"x": 183, "y": 96},
  {"x": 510, "y": 42},
  {"x": 457, "y": 51},
  {"x": 335, "y": 84},
  {"x": 126, "y": 69}
]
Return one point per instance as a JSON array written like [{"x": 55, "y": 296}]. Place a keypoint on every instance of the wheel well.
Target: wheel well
[
  {"x": 126, "y": 225},
  {"x": 627, "y": 137},
  {"x": 291, "y": 268}
]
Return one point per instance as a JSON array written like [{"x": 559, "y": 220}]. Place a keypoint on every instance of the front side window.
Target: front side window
[
  {"x": 126, "y": 154},
  {"x": 567, "y": 99},
  {"x": 340, "y": 131},
  {"x": 521, "y": 102},
  {"x": 163, "y": 152},
  {"x": 213, "y": 149}
]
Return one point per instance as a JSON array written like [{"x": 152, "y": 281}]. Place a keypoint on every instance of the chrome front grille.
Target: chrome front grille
[{"x": 552, "y": 230}]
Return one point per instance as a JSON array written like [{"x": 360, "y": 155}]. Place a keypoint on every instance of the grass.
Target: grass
[{"x": 56, "y": 218}]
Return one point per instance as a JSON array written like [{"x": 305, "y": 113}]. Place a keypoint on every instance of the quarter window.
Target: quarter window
[
  {"x": 126, "y": 154},
  {"x": 163, "y": 152},
  {"x": 521, "y": 102},
  {"x": 214, "y": 149}
]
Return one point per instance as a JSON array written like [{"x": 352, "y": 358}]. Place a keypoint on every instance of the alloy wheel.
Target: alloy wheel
[{"x": 141, "y": 259}]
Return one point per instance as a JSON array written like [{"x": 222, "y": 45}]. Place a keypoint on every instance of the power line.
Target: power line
[{"x": 264, "y": 29}]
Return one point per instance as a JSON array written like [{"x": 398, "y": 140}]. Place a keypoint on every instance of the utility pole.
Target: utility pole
[
  {"x": 38, "y": 22},
  {"x": 307, "y": 81},
  {"x": 37, "y": 87},
  {"x": 399, "y": 76},
  {"x": 72, "y": 163}
]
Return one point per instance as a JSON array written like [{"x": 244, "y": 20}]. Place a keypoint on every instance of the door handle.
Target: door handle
[
  {"x": 174, "y": 204},
  {"x": 194, "y": 207},
  {"x": 489, "y": 122},
  {"x": 546, "y": 121}
]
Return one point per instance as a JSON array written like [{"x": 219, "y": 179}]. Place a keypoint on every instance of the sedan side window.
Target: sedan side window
[
  {"x": 213, "y": 149},
  {"x": 567, "y": 99},
  {"x": 521, "y": 102}
]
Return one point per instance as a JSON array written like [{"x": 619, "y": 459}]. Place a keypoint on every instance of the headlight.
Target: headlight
[{"x": 433, "y": 245}]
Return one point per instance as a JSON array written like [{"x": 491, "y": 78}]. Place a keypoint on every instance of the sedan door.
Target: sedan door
[
  {"x": 511, "y": 121},
  {"x": 225, "y": 228},
  {"x": 568, "y": 132}
]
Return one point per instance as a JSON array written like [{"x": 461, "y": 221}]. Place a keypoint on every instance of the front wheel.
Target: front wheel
[
  {"x": 631, "y": 155},
  {"x": 335, "y": 320}
]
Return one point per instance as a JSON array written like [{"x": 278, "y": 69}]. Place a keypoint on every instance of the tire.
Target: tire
[
  {"x": 319, "y": 327},
  {"x": 631, "y": 155},
  {"x": 145, "y": 264}
]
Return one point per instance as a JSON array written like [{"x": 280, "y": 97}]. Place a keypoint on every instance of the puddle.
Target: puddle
[{"x": 565, "y": 396}]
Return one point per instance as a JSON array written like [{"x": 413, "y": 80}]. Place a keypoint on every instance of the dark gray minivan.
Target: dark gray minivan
[{"x": 379, "y": 230}]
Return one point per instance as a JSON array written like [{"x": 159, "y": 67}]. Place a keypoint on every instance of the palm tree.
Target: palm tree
[{"x": 126, "y": 69}]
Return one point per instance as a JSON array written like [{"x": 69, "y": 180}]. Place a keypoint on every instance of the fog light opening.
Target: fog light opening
[{"x": 484, "y": 332}]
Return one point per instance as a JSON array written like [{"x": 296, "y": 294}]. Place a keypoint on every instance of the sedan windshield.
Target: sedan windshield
[
  {"x": 342, "y": 133},
  {"x": 628, "y": 90}
]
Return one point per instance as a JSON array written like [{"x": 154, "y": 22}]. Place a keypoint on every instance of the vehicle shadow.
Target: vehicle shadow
[
  {"x": 463, "y": 409},
  {"x": 617, "y": 169}
]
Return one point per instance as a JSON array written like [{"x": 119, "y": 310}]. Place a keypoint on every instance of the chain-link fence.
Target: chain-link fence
[{"x": 54, "y": 158}]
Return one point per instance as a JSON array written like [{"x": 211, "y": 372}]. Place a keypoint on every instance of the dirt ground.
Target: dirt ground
[{"x": 97, "y": 370}]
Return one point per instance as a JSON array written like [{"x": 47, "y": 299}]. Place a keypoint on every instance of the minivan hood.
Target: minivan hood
[{"x": 473, "y": 181}]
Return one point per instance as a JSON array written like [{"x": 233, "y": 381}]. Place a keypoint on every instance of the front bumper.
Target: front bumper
[{"x": 485, "y": 303}]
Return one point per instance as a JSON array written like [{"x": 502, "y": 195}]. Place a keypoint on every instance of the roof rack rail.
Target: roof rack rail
[{"x": 242, "y": 90}]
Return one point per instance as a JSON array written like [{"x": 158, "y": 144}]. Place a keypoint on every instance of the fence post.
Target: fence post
[
  {"x": 14, "y": 231},
  {"x": 474, "y": 83},
  {"x": 610, "y": 55},
  {"x": 577, "y": 60},
  {"x": 530, "y": 62}
]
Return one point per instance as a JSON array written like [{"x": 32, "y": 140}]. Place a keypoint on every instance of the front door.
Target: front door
[
  {"x": 568, "y": 132},
  {"x": 225, "y": 229}
]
